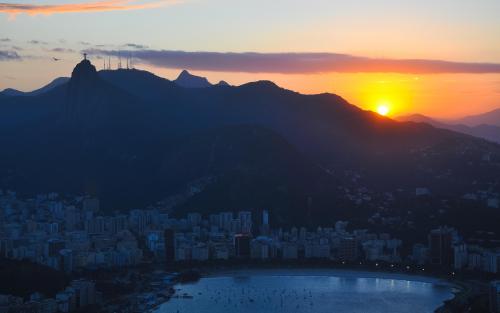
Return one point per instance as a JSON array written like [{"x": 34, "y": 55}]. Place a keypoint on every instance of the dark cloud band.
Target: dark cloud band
[
  {"x": 295, "y": 63},
  {"x": 6, "y": 55}
]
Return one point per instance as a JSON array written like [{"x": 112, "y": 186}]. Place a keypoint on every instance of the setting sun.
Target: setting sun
[{"x": 383, "y": 109}]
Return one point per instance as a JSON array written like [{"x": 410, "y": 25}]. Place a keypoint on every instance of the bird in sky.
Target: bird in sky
[{"x": 55, "y": 59}]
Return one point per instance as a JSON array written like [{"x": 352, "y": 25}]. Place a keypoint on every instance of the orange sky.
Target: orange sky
[
  {"x": 379, "y": 33},
  {"x": 437, "y": 95}
]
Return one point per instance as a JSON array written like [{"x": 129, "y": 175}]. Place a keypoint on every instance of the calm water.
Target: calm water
[{"x": 298, "y": 292}]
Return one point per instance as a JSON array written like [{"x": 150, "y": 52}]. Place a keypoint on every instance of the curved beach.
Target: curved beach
[{"x": 306, "y": 290}]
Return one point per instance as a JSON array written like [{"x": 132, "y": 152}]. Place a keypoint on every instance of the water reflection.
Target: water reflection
[{"x": 309, "y": 293}]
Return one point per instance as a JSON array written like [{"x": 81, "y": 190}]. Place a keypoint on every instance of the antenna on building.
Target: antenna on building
[{"x": 109, "y": 62}]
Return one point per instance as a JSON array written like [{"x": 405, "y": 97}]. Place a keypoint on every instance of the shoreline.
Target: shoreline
[
  {"x": 334, "y": 272},
  {"x": 458, "y": 289}
]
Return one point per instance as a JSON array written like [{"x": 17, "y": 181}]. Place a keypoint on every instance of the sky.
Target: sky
[{"x": 438, "y": 58}]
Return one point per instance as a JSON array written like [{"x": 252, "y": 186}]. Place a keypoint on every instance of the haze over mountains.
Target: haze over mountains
[
  {"x": 489, "y": 132},
  {"x": 134, "y": 139},
  {"x": 488, "y": 118},
  {"x": 56, "y": 82}
]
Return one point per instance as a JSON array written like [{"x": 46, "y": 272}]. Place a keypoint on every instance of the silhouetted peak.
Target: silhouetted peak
[
  {"x": 84, "y": 71},
  {"x": 87, "y": 93},
  {"x": 189, "y": 80},
  {"x": 11, "y": 92},
  {"x": 267, "y": 84},
  {"x": 222, "y": 83}
]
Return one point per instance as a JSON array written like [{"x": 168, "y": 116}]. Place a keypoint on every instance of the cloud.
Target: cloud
[
  {"x": 134, "y": 45},
  {"x": 6, "y": 55},
  {"x": 37, "y": 42},
  {"x": 295, "y": 63},
  {"x": 12, "y": 9},
  {"x": 62, "y": 50},
  {"x": 5, "y": 40}
]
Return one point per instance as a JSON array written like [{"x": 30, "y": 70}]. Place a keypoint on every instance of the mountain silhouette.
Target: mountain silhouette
[
  {"x": 488, "y": 118},
  {"x": 90, "y": 100},
  {"x": 488, "y": 132},
  {"x": 56, "y": 82},
  {"x": 188, "y": 80},
  {"x": 133, "y": 138}
]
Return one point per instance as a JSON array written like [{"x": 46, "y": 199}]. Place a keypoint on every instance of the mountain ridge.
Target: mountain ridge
[
  {"x": 16, "y": 93},
  {"x": 151, "y": 139},
  {"x": 487, "y": 118},
  {"x": 188, "y": 80},
  {"x": 485, "y": 131}
]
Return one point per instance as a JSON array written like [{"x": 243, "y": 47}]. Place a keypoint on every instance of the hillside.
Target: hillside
[
  {"x": 485, "y": 131},
  {"x": 134, "y": 139}
]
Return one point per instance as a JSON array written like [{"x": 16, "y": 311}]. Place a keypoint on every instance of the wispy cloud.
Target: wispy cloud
[
  {"x": 295, "y": 63},
  {"x": 38, "y": 42},
  {"x": 135, "y": 46},
  {"x": 5, "y": 40},
  {"x": 62, "y": 50},
  {"x": 7, "y": 55},
  {"x": 12, "y": 9}
]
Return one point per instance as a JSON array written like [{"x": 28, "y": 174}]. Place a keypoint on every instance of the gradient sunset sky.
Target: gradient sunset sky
[{"x": 439, "y": 58}]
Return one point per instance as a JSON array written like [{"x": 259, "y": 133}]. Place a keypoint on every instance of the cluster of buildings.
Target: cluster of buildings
[
  {"x": 64, "y": 234},
  {"x": 79, "y": 294},
  {"x": 71, "y": 234},
  {"x": 225, "y": 236},
  {"x": 446, "y": 248},
  {"x": 494, "y": 296}
]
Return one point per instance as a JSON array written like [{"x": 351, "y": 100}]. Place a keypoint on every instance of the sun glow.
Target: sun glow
[{"x": 383, "y": 109}]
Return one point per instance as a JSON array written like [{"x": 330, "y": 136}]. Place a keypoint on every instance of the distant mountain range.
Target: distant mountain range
[
  {"x": 56, "y": 82},
  {"x": 488, "y": 118},
  {"x": 188, "y": 80},
  {"x": 489, "y": 132},
  {"x": 133, "y": 139}
]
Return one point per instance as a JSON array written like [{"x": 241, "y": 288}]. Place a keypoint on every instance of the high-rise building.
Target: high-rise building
[
  {"x": 460, "y": 256},
  {"x": 226, "y": 219},
  {"x": 245, "y": 218},
  {"x": 53, "y": 246},
  {"x": 441, "y": 246},
  {"x": 242, "y": 245},
  {"x": 118, "y": 223},
  {"x": 71, "y": 218},
  {"x": 214, "y": 220},
  {"x": 91, "y": 204},
  {"x": 194, "y": 219},
  {"x": 138, "y": 220},
  {"x": 66, "y": 263},
  {"x": 495, "y": 296},
  {"x": 265, "y": 217},
  {"x": 96, "y": 225},
  {"x": 84, "y": 292},
  {"x": 348, "y": 249},
  {"x": 265, "y": 228},
  {"x": 169, "y": 238}
]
